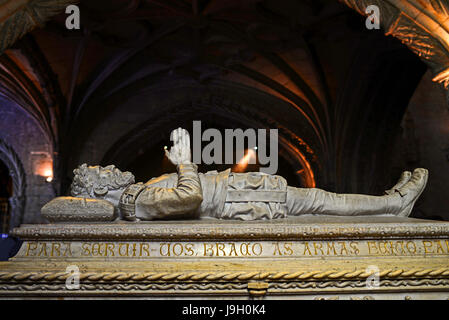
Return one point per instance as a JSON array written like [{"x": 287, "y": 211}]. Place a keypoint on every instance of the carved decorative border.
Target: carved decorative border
[
  {"x": 210, "y": 287},
  {"x": 359, "y": 284},
  {"x": 127, "y": 287},
  {"x": 20, "y": 276}
]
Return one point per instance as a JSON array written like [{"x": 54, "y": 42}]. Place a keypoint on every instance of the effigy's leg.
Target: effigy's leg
[
  {"x": 317, "y": 201},
  {"x": 399, "y": 202}
]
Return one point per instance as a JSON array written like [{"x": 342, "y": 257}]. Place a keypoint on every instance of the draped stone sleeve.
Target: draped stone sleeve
[{"x": 183, "y": 199}]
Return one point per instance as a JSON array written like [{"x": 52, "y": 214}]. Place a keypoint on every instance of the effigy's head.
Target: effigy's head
[{"x": 97, "y": 181}]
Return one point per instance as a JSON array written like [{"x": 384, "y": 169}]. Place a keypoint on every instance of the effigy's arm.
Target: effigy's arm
[{"x": 160, "y": 203}]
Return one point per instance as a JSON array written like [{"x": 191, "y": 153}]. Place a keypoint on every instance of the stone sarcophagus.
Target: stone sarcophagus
[
  {"x": 242, "y": 235},
  {"x": 305, "y": 257}
]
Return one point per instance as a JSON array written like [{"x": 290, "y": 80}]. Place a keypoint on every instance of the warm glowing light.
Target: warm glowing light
[
  {"x": 243, "y": 163},
  {"x": 48, "y": 174},
  {"x": 45, "y": 170}
]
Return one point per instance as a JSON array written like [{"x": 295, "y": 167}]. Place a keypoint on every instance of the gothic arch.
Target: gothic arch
[
  {"x": 291, "y": 147},
  {"x": 17, "y": 201}
]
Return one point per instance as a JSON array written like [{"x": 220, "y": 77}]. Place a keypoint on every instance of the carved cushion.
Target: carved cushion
[{"x": 65, "y": 209}]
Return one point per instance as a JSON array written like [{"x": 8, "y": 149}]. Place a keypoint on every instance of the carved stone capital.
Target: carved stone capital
[
  {"x": 28, "y": 14},
  {"x": 423, "y": 27}
]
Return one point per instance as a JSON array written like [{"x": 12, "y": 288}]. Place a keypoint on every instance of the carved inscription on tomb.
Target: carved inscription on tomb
[{"x": 248, "y": 249}]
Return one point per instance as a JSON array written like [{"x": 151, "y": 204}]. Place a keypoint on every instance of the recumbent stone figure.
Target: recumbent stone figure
[{"x": 188, "y": 194}]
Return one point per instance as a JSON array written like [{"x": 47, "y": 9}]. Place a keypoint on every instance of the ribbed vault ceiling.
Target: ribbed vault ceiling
[{"x": 309, "y": 68}]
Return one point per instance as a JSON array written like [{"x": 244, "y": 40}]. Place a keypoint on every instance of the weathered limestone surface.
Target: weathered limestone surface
[
  {"x": 306, "y": 257},
  {"x": 78, "y": 209}
]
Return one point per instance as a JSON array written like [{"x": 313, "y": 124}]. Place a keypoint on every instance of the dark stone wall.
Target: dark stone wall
[
  {"x": 27, "y": 139},
  {"x": 424, "y": 142}
]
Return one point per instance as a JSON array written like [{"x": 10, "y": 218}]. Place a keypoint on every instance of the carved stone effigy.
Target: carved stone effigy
[
  {"x": 107, "y": 238},
  {"x": 306, "y": 257}
]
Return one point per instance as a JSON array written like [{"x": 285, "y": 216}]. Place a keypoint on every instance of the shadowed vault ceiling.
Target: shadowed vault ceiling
[{"x": 112, "y": 91}]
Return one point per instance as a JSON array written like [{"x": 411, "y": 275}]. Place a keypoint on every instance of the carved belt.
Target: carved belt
[
  {"x": 256, "y": 196},
  {"x": 128, "y": 198}
]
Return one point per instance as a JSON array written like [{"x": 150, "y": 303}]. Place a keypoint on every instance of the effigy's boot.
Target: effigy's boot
[
  {"x": 403, "y": 179},
  {"x": 411, "y": 191}
]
